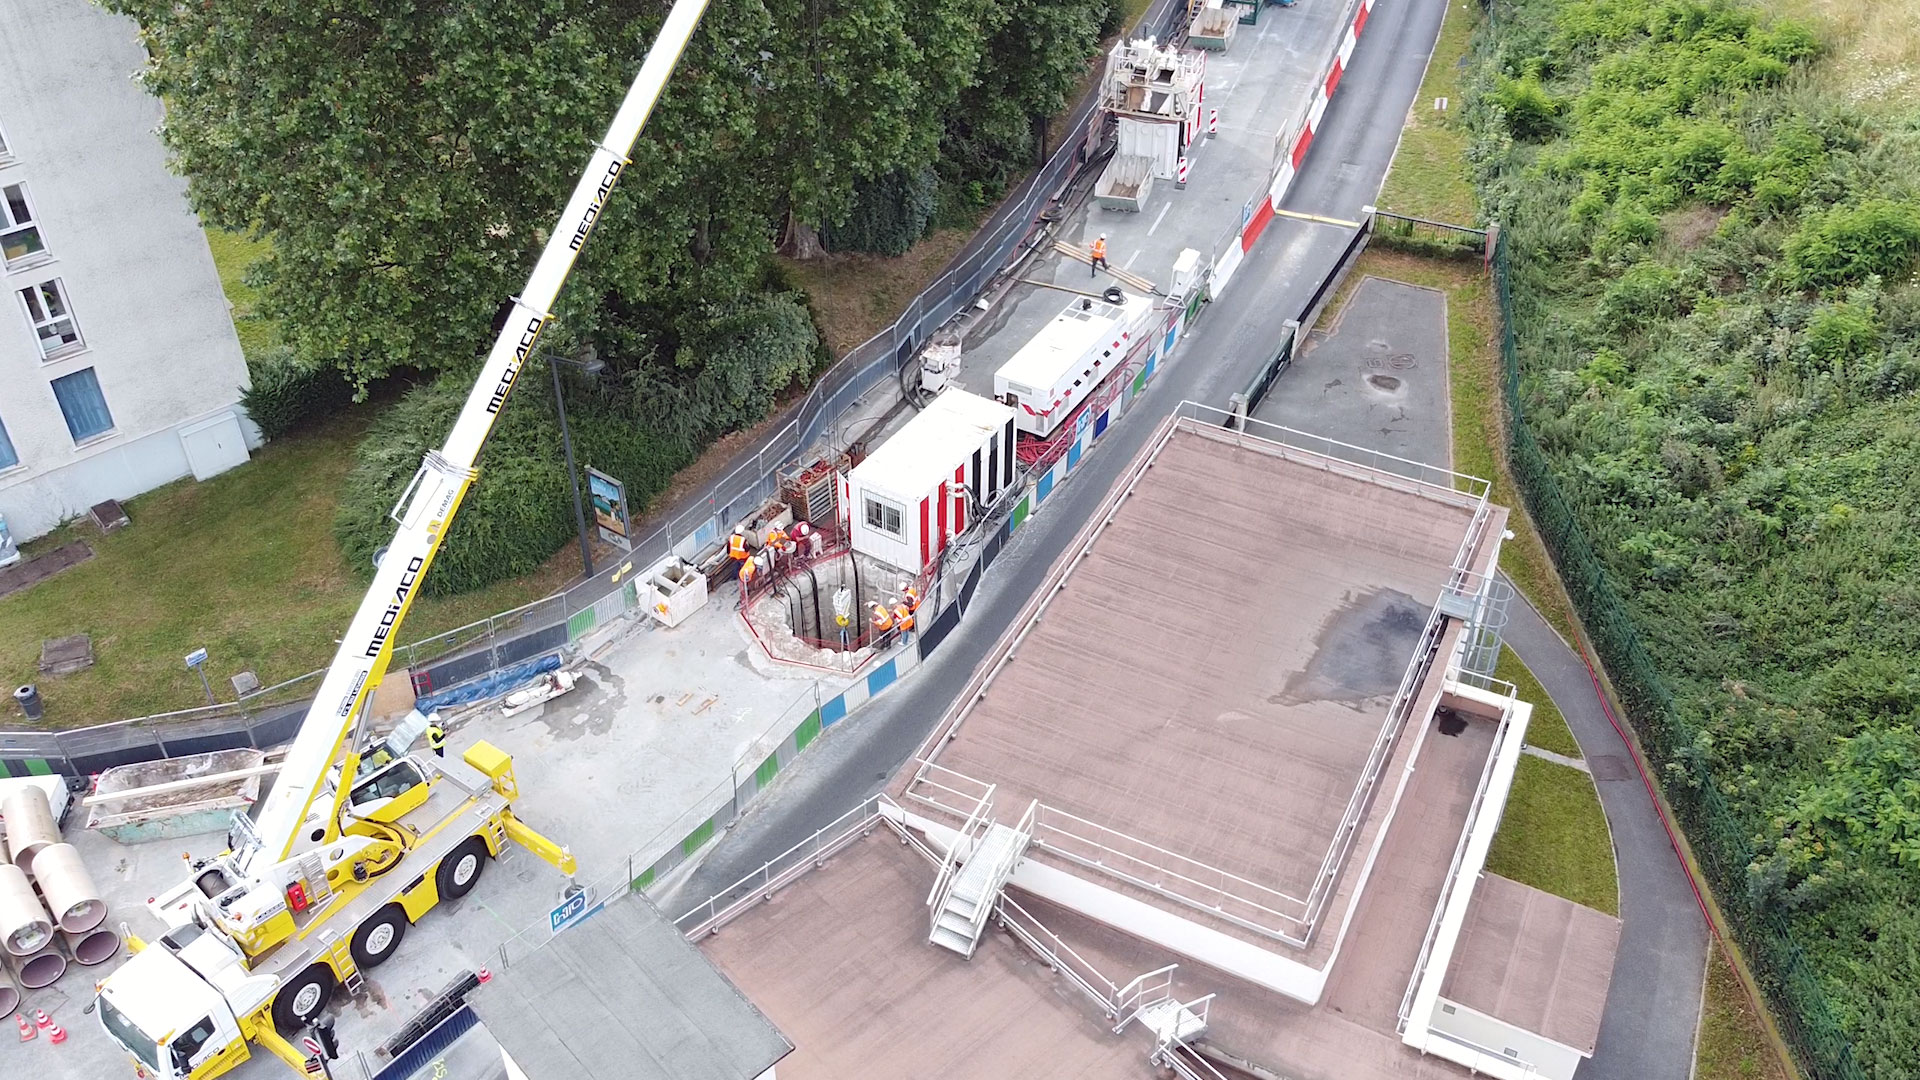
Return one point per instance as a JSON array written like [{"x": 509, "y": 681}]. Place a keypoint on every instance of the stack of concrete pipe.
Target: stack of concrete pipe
[{"x": 65, "y": 918}]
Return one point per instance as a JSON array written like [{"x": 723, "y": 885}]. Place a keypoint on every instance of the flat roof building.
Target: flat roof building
[
  {"x": 119, "y": 366},
  {"x": 1226, "y": 792}
]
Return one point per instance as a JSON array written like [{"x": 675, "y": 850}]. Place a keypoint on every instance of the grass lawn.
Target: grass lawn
[
  {"x": 243, "y": 565},
  {"x": 1428, "y": 179},
  {"x": 1554, "y": 836},
  {"x": 854, "y": 296},
  {"x": 1548, "y": 729},
  {"x": 232, "y": 254},
  {"x": 1733, "y": 1045}
]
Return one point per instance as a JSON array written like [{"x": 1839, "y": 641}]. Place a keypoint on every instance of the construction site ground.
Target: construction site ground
[
  {"x": 625, "y": 765},
  {"x": 1258, "y": 84}
]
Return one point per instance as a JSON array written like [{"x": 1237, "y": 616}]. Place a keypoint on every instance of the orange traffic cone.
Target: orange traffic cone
[
  {"x": 41, "y": 1019},
  {"x": 56, "y": 1034},
  {"x": 485, "y": 976},
  {"x": 26, "y": 1029}
]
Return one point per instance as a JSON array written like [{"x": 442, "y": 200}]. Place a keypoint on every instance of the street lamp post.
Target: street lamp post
[{"x": 592, "y": 366}]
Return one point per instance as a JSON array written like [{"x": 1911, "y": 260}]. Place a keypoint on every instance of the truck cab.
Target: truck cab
[{"x": 176, "y": 1006}]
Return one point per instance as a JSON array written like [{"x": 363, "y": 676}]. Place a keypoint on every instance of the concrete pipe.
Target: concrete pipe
[
  {"x": 9, "y": 988},
  {"x": 76, "y": 905},
  {"x": 96, "y": 946},
  {"x": 30, "y": 824},
  {"x": 24, "y": 926},
  {"x": 43, "y": 968}
]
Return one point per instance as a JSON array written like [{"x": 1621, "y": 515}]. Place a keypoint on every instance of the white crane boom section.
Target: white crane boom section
[{"x": 429, "y": 503}]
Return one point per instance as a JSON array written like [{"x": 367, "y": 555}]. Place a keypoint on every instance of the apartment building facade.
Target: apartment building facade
[{"x": 119, "y": 367}]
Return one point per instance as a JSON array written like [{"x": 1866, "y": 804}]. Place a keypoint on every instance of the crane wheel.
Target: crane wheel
[
  {"x": 460, "y": 871},
  {"x": 379, "y": 937},
  {"x": 301, "y": 1001}
]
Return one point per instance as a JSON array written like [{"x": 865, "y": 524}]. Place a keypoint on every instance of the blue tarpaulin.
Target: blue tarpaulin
[{"x": 503, "y": 681}]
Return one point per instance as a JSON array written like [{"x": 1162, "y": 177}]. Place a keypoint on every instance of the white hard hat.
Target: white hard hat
[
  {"x": 1103, "y": 236},
  {"x": 738, "y": 530}
]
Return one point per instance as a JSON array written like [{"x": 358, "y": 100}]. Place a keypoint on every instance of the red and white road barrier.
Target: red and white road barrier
[
  {"x": 1213, "y": 122},
  {"x": 1297, "y": 141},
  {"x": 1180, "y": 179}
]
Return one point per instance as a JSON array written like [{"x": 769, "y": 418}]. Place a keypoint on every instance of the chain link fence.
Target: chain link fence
[{"x": 1721, "y": 839}]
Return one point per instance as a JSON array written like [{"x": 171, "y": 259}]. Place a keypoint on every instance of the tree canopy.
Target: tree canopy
[{"x": 406, "y": 157}]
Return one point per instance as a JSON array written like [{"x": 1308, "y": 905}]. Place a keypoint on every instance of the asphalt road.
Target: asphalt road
[{"x": 1653, "y": 1006}]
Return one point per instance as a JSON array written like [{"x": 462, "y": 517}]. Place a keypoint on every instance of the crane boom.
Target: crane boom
[{"x": 427, "y": 507}]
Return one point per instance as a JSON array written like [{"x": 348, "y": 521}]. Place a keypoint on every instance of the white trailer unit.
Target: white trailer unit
[
  {"x": 923, "y": 486},
  {"x": 1052, "y": 374}
]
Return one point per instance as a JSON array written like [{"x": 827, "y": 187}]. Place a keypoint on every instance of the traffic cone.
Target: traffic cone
[
  {"x": 485, "y": 976},
  {"x": 41, "y": 1019},
  {"x": 56, "y": 1034},
  {"x": 26, "y": 1030}
]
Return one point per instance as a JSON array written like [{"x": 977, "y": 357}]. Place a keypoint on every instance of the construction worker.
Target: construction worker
[
  {"x": 737, "y": 545},
  {"x": 778, "y": 543},
  {"x": 436, "y": 738},
  {"x": 910, "y": 594},
  {"x": 1097, "y": 256},
  {"x": 748, "y": 569},
  {"x": 882, "y": 620},
  {"x": 903, "y": 621},
  {"x": 806, "y": 539}
]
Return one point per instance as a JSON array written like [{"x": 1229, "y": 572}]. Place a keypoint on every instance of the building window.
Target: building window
[
  {"x": 20, "y": 241},
  {"x": 6, "y": 152},
  {"x": 8, "y": 459},
  {"x": 83, "y": 405},
  {"x": 52, "y": 319},
  {"x": 883, "y": 516},
  {"x": 1512, "y": 1053}
]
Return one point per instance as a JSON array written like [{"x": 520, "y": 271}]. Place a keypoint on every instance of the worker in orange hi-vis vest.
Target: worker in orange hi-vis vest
[
  {"x": 1097, "y": 256},
  {"x": 737, "y": 545},
  {"x": 910, "y": 595},
  {"x": 882, "y": 620},
  {"x": 748, "y": 568},
  {"x": 903, "y": 621}
]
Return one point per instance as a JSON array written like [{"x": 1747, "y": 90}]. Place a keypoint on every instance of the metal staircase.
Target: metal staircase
[{"x": 962, "y": 900}]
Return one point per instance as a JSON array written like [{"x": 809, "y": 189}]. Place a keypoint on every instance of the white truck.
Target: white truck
[
  {"x": 1059, "y": 369},
  {"x": 353, "y": 843}
]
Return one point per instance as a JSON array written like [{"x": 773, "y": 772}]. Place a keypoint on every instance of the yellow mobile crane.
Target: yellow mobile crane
[{"x": 341, "y": 859}]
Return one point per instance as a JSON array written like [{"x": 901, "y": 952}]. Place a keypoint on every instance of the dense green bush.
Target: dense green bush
[
  {"x": 1847, "y": 244},
  {"x": 889, "y": 215},
  {"x": 283, "y": 394},
  {"x": 1718, "y": 328},
  {"x": 631, "y": 423},
  {"x": 515, "y": 516}
]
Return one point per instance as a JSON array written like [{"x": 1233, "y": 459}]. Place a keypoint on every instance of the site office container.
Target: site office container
[
  {"x": 923, "y": 486},
  {"x": 1068, "y": 359}
]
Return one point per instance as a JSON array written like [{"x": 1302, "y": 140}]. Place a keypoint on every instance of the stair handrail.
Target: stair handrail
[
  {"x": 943, "y": 882},
  {"x": 1058, "y": 955},
  {"x": 1183, "y": 1066},
  {"x": 1133, "y": 997}
]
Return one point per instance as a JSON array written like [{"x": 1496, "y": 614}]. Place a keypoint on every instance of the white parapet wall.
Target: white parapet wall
[{"x": 1428, "y": 1028}]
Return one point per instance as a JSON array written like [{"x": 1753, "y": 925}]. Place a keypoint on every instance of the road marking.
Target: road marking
[
  {"x": 1161, "y": 217},
  {"x": 1128, "y": 265},
  {"x": 1317, "y": 219}
]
